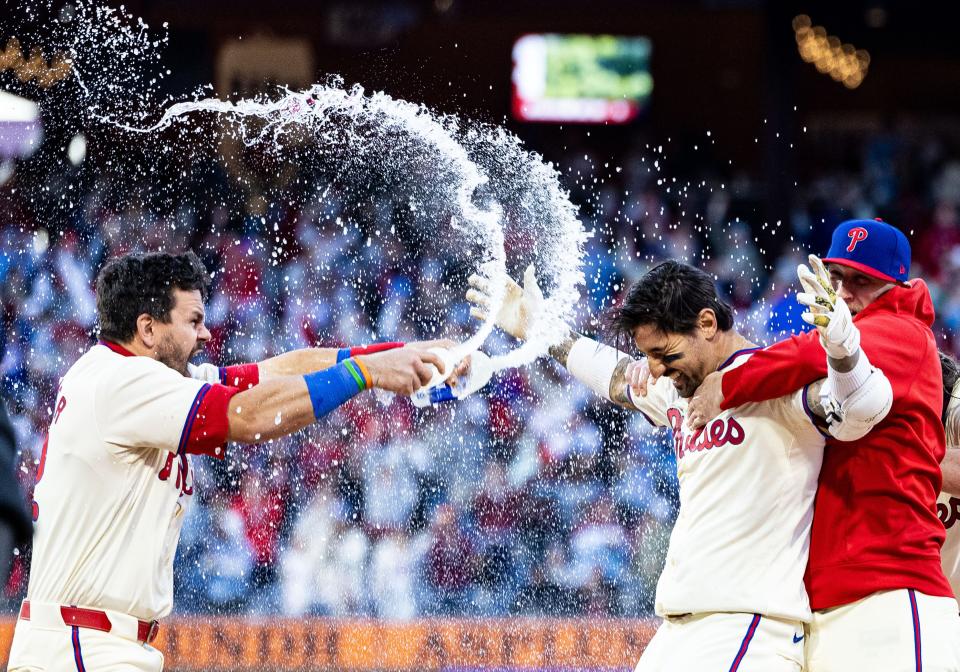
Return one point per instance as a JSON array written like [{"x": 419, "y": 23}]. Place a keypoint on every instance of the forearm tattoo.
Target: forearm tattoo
[
  {"x": 561, "y": 351},
  {"x": 618, "y": 384},
  {"x": 813, "y": 399}
]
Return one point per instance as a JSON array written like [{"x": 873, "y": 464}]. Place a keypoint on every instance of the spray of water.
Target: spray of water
[
  {"x": 539, "y": 206},
  {"x": 477, "y": 189}
]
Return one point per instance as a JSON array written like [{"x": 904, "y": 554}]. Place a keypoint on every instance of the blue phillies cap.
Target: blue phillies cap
[{"x": 872, "y": 247}]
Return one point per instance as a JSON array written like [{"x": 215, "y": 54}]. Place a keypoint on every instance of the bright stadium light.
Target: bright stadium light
[
  {"x": 843, "y": 62},
  {"x": 20, "y": 130},
  {"x": 77, "y": 150}
]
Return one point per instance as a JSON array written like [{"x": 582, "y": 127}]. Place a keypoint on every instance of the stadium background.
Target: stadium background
[{"x": 534, "y": 538}]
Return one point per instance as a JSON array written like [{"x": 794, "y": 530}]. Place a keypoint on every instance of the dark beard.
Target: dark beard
[{"x": 167, "y": 354}]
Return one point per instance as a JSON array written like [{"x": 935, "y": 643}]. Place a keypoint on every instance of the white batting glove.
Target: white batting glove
[
  {"x": 827, "y": 311},
  {"x": 520, "y": 304}
]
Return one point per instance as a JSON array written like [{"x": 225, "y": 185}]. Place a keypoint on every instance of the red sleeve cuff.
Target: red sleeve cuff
[
  {"x": 240, "y": 376},
  {"x": 205, "y": 432},
  {"x": 375, "y": 347}
]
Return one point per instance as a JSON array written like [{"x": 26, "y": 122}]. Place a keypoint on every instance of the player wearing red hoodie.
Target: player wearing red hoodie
[{"x": 874, "y": 578}]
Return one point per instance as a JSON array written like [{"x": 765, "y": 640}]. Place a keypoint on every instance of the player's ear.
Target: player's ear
[
  {"x": 707, "y": 323},
  {"x": 145, "y": 330}
]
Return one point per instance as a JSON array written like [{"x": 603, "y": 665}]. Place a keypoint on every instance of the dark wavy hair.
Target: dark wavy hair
[
  {"x": 669, "y": 297},
  {"x": 134, "y": 284}
]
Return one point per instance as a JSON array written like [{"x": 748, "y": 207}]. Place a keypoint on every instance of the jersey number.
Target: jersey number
[{"x": 949, "y": 513}]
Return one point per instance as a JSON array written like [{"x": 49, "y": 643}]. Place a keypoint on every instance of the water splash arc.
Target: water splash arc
[{"x": 316, "y": 106}]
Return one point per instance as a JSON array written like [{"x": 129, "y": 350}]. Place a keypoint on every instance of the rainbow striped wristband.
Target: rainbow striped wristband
[{"x": 332, "y": 387}]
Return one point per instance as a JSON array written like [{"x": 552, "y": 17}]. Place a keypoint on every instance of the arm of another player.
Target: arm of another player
[
  {"x": 308, "y": 360},
  {"x": 601, "y": 368},
  {"x": 286, "y": 404},
  {"x": 855, "y": 395}
]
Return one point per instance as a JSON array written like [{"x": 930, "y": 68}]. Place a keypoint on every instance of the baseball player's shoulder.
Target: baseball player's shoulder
[
  {"x": 789, "y": 408},
  {"x": 114, "y": 370},
  {"x": 739, "y": 358}
]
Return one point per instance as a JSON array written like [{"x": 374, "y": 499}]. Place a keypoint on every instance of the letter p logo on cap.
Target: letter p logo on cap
[
  {"x": 856, "y": 234},
  {"x": 873, "y": 248}
]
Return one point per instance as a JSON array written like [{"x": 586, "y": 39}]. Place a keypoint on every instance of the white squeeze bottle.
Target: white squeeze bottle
[{"x": 481, "y": 370}]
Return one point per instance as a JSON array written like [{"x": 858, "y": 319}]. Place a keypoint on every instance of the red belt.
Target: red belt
[{"x": 96, "y": 620}]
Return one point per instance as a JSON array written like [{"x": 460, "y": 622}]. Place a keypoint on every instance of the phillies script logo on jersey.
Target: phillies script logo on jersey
[
  {"x": 856, "y": 234},
  {"x": 713, "y": 435}
]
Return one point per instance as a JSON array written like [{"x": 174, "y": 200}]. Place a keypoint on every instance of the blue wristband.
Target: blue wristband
[
  {"x": 330, "y": 388},
  {"x": 342, "y": 354}
]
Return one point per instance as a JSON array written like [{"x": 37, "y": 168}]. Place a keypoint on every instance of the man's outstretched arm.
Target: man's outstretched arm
[
  {"x": 601, "y": 368},
  {"x": 598, "y": 366},
  {"x": 301, "y": 362},
  {"x": 286, "y": 404}
]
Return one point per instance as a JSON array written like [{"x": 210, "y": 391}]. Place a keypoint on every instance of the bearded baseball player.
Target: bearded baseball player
[
  {"x": 115, "y": 474},
  {"x": 731, "y": 593},
  {"x": 880, "y": 598}
]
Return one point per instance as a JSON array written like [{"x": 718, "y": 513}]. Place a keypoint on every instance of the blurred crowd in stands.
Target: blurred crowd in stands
[{"x": 530, "y": 497}]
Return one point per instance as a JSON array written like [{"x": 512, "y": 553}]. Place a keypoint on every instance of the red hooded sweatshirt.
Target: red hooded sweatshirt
[{"x": 875, "y": 524}]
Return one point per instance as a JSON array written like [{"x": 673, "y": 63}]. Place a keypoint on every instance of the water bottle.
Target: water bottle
[{"x": 481, "y": 370}]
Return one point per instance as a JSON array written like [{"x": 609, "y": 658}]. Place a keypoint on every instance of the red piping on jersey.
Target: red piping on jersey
[
  {"x": 208, "y": 429},
  {"x": 117, "y": 348},
  {"x": 191, "y": 416}
]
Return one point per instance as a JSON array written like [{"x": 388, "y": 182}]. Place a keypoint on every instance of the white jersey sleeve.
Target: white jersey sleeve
[
  {"x": 594, "y": 364},
  {"x": 208, "y": 373},
  {"x": 796, "y": 412},
  {"x": 147, "y": 405}
]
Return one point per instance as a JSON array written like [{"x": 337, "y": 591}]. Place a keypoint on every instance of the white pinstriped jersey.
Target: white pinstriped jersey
[
  {"x": 114, "y": 482},
  {"x": 747, "y": 482}
]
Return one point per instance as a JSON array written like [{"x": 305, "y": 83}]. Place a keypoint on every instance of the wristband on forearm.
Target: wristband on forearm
[
  {"x": 346, "y": 353},
  {"x": 844, "y": 384},
  {"x": 332, "y": 387}
]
